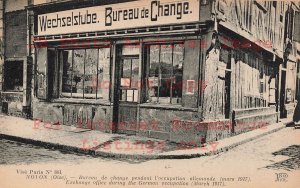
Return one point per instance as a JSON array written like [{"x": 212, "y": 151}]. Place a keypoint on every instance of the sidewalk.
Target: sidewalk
[{"x": 75, "y": 140}]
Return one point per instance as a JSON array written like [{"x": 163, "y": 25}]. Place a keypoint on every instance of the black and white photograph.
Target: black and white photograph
[{"x": 149, "y": 93}]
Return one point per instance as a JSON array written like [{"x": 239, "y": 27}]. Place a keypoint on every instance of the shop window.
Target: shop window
[
  {"x": 165, "y": 70},
  {"x": 13, "y": 76},
  {"x": 83, "y": 73}
]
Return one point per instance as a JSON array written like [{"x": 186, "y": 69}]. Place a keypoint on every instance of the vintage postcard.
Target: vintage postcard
[{"x": 149, "y": 93}]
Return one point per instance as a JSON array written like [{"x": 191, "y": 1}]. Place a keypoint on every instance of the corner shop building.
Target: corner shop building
[{"x": 158, "y": 69}]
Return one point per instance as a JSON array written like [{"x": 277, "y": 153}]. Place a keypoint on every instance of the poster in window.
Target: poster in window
[
  {"x": 190, "y": 87},
  {"x": 125, "y": 82}
]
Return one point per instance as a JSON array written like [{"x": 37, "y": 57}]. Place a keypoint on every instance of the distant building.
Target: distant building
[{"x": 187, "y": 71}]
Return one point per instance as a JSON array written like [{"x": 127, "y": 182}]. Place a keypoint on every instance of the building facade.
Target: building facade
[
  {"x": 188, "y": 71},
  {"x": 16, "y": 63}
]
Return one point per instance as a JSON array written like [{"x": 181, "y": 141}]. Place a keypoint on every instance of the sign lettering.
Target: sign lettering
[{"x": 135, "y": 14}]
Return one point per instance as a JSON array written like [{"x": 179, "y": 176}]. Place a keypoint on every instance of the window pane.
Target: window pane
[
  {"x": 13, "y": 76},
  {"x": 78, "y": 72},
  {"x": 154, "y": 60},
  {"x": 135, "y": 73},
  {"x": 126, "y": 73},
  {"x": 90, "y": 83},
  {"x": 153, "y": 73},
  {"x": 165, "y": 72},
  {"x": 104, "y": 73},
  {"x": 67, "y": 71},
  {"x": 177, "y": 71},
  {"x": 126, "y": 68}
]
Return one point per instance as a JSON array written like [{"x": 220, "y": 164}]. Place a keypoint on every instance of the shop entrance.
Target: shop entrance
[{"x": 127, "y": 87}]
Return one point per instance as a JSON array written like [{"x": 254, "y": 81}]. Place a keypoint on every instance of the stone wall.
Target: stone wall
[
  {"x": 89, "y": 116},
  {"x": 12, "y": 103},
  {"x": 162, "y": 123},
  {"x": 254, "y": 118}
]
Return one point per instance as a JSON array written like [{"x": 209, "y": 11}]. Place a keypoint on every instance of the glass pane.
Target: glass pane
[
  {"x": 78, "y": 72},
  {"x": 136, "y": 96},
  {"x": 67, "y": 71},
  {"x": 126, "y": 68},
  {"x": 14, "y": 76},
  {"x": 126, "y": 73},
  {"x": 154, "y": 61},
  {"x": 104, "y": 73},
  {"x": 135, "y": 74},
  {"x": 177, "y": 71},
  {"x": 123, "y": 95},
  {"x": 90, "y": 82},
  {"x": 129, "y": 95},
  {"x": 165, "y": 71},
  {"x": 153, "y": 73}
]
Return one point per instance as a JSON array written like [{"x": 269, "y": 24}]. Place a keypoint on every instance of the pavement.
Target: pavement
[{"x": 90, "y": 142}]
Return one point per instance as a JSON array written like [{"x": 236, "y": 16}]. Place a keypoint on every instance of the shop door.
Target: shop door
[{"x": 127, "y": 94}]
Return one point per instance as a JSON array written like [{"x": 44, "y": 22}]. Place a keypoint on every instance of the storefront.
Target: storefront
[
  {"x": 159, "y": 69},
  {"x": 132, "y": 68}
]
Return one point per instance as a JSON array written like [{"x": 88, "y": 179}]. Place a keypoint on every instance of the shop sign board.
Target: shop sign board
[{"x": 134, "y": 14}]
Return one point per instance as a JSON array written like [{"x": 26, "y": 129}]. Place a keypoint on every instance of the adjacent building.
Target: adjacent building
[
  {"x": 189, "y": 71},
  {"x": 16, "y": 62}
]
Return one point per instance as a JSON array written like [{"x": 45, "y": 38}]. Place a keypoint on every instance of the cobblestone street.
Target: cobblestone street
[{"x": 18, "y": 153}]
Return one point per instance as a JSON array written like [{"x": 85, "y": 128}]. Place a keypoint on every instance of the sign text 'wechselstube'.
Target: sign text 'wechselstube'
[{"x": 134, "y": 14}]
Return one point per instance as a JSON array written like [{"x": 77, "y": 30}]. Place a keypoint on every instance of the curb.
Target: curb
[{"x": 94, "y": 153}]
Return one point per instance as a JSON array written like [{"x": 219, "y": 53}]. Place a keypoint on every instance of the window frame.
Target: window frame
[
  {"x": 147, "y": 69},
  {"x": 82, "y": 96},
  {"x": 131, "y": 87},
  {"x": 5, "y": 73}
]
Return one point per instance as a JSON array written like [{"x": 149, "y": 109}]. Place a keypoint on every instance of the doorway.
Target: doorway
[{"x": 127, "y": 91}]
